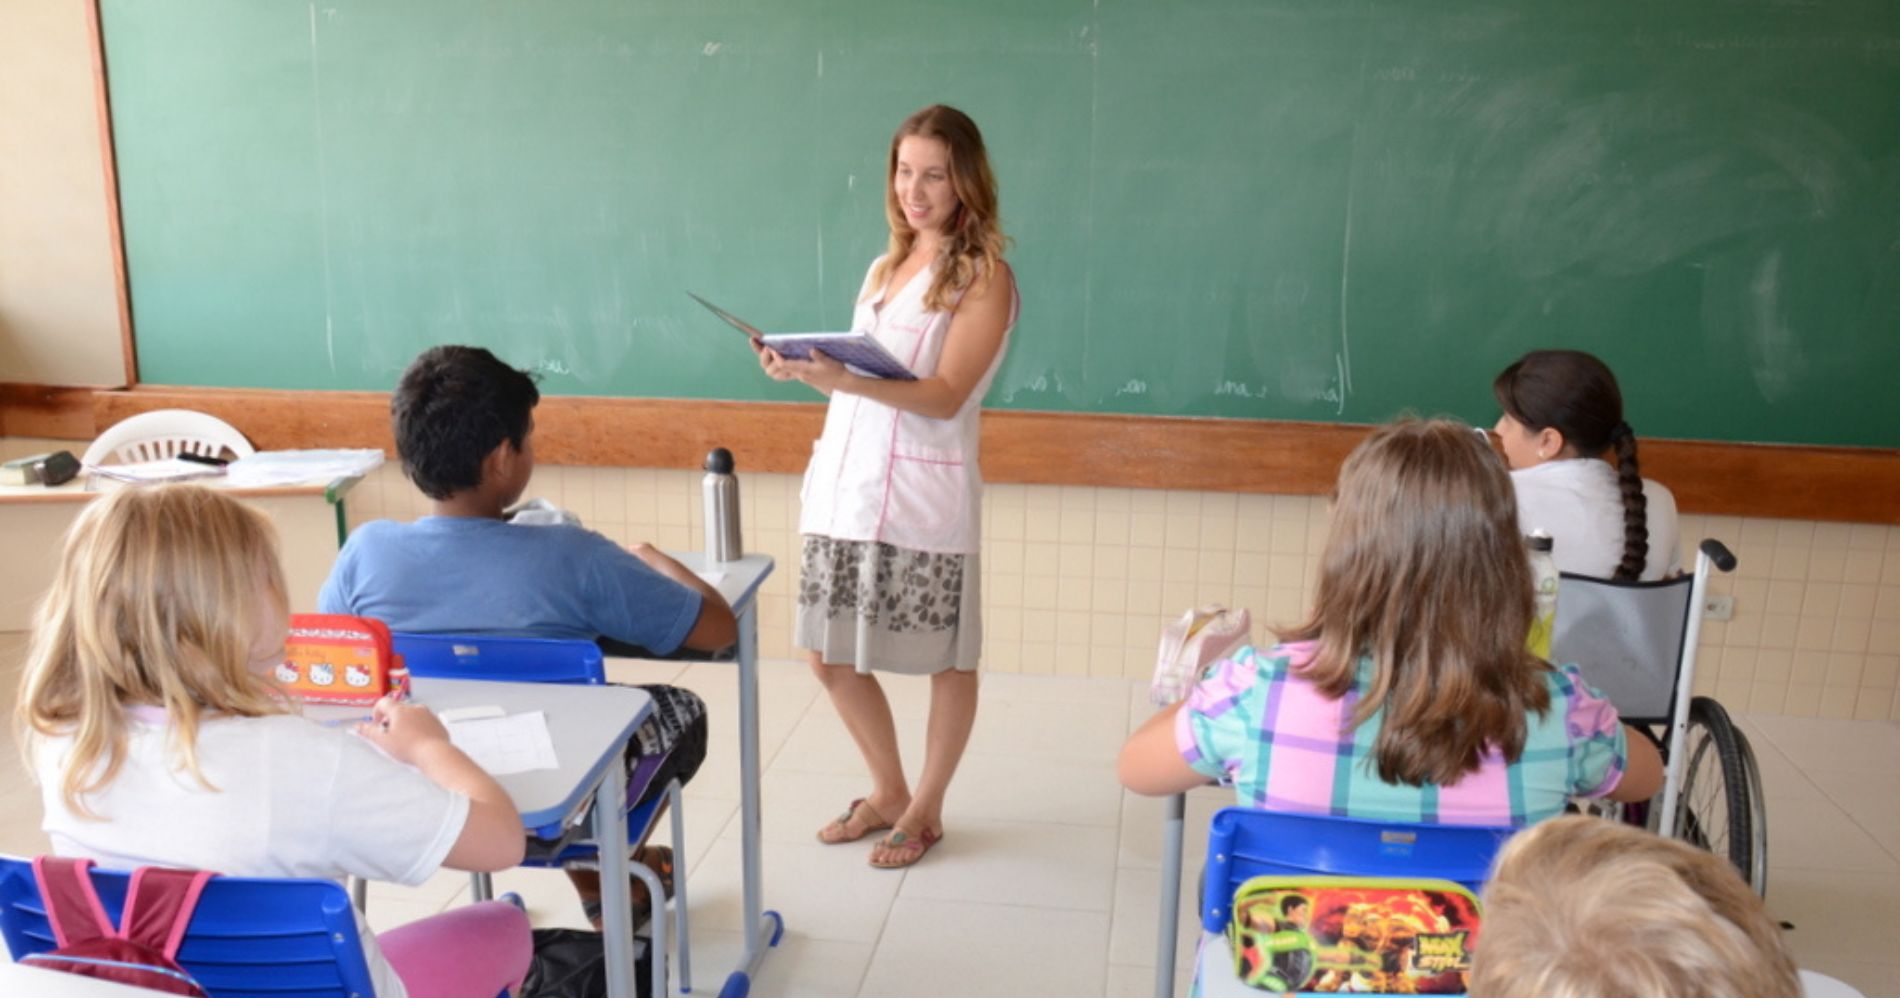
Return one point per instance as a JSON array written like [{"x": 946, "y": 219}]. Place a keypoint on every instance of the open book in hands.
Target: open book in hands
[{"x": 861, "y": 352}]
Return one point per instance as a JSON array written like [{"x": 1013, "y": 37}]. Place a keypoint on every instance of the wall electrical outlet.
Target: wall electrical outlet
[{"x": 1718, "y": 607}]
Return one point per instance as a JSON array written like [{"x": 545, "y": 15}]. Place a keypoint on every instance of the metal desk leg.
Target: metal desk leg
[
  {"x": 616, "y": 895},
  {"x": 763, "y": 928},
  {"x": 1171, "y": 828}
]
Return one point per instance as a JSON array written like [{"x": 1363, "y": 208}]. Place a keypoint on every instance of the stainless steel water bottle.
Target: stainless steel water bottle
[{"x": 722, "y": 508}]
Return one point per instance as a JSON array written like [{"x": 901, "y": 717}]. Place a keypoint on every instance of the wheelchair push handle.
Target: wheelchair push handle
[{"x": 1719, "y": 554}]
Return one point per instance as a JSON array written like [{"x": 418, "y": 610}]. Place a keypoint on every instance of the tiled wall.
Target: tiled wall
[{"x": 1078, "y": 581}]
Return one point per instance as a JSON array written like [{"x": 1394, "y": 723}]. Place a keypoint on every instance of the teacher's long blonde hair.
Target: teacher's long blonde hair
[
  {"x": 974, "y": 242},
  {"x": 161, "y": 597}
]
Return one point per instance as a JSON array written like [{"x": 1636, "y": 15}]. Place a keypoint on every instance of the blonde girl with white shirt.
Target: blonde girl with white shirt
[
  {"x": 1563, "y": 413},
  {"x": 892, "y": 498},
  {"x": 148, "y": 715}
]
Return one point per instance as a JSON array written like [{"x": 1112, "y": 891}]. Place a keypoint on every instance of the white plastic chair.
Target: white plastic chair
[{"x": 164, "y": 433}]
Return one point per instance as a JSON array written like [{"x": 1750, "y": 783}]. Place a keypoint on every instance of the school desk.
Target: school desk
[
  {"x": 34, "y": 518},
  {"x": 739, "y": 581},
  {"x": 590, "y": 726}
]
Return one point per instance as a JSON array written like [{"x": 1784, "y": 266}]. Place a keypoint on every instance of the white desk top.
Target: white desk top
[
  {"x": 739, "y": 581},
  {"x": 588, "y": 725}
]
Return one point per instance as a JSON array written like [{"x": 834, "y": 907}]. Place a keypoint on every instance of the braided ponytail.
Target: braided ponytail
[{"x": 1635, "y": 505}]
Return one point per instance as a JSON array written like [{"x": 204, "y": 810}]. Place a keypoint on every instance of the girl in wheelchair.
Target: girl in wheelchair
[
  {"x": 1407, "y": 694},
  {"x": 1562, "y": 413},
  {"x": 157, "y": 738}
]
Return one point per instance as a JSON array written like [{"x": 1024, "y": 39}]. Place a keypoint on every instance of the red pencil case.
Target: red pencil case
[{"x": 336, "y": 658}]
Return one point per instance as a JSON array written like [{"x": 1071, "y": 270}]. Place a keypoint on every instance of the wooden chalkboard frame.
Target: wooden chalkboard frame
[{"x": 1844, "y": 484}]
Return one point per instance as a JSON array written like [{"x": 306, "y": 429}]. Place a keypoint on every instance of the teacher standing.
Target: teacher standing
[{"x": 892, "y": 497}]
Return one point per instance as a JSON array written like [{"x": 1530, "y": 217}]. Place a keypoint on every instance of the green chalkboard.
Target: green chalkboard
[{"x": 1301, "y": 209}]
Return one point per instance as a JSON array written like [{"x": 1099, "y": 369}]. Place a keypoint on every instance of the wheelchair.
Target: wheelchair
[{"x": 1636, "y": 642}]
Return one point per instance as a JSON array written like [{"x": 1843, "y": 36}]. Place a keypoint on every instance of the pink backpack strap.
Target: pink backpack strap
[
  {"x": 72, "y": 903},
  {"x": 158, "y": 906}
]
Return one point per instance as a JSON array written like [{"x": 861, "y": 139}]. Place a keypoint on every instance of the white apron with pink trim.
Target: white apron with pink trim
[{"x": 880, "y": 474}]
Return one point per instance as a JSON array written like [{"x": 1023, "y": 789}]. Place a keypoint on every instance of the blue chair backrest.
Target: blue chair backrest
[
  {"x": 248, "y": 938},
  {"x": 514, "y": 660},
  {"x": 1245, "y": 842}
]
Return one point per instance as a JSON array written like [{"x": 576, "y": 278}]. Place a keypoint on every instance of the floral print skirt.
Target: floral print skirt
[{"x": 887, "y": 608}]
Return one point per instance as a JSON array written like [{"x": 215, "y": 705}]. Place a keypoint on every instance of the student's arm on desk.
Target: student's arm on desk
[
  {"x": 1151, "y": 764},
  {"x": 716, "y": 627},
  {"x": 491, "y": 838},
  {"x": 976, "y": 334}
]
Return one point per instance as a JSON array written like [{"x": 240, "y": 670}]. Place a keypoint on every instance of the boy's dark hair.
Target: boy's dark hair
[
  {"x": 1292, "y": 901},
  {"x": 453, "y": 406}
]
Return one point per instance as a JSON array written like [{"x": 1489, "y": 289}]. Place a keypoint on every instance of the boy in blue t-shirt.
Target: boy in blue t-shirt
[{"x": 464, "y": 426}]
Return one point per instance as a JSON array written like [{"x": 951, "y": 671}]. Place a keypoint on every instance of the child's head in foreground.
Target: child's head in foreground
[
  {"x": 1582, "y": 907},
  {"x": 168, "y": 596},
  {"x": 453, "y": 410}
]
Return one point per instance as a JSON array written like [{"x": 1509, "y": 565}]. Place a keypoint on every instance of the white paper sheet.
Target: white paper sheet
[
  {"x": 713, "y": 576},
  {"x": 297, "y": 467},
  {"x": 517, "y": 743}
]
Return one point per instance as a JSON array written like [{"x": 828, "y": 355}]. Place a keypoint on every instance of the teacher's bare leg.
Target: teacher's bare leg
[
  {"x": 952, "y": 714},
  {"x": 866, "y": 713}
]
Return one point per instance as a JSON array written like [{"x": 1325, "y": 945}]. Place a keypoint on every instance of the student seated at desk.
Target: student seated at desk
[
  {"x": 464, "y": 426},
  {"x": 1407, "y": 695},
  {"x": 158, "y": 739}
]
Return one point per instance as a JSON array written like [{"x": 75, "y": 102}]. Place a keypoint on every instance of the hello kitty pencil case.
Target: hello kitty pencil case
[{"x": 336, "y": 658}]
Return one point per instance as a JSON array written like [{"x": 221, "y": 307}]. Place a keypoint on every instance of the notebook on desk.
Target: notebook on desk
[{"x": 861, "y": 352}]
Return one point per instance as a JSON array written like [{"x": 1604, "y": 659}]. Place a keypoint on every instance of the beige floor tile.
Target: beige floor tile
[
  {"x": 1836, "y": 914},
  {"x": 1082, "y": 732},
  {"x": 1020, "y": 863},
  {"x": 1139, "y": 982},
  {"x": 797, "y": 803},
  {"x": 1818, "y": 745},
  {"x": 1872, "y": 800},
  {"x": 1142, "y": 830},
  {"x": 819, "y": 743},
  {"x": 1818, "y": 835},
  {"x": 707, "y": 819},
  {"x": 1134, "y": 931},
  {"x": 388, "y": 913},
  {"x": 959, "y": 949},
  {"x": 550, "y": 898},
  {"x": 823, "y": 892},
  {"x": 434, "y": 893},
  {"x": 644, "y": 671},
  {"x": 1053, "y": 690},
  {"x": 1782, "y": 780},
  {"x": 800, "y": 966},
  {"x": 1060, "y": 791}
]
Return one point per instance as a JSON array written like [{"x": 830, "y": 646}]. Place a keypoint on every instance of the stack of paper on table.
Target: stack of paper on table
[{"x": 298, "y": 467}]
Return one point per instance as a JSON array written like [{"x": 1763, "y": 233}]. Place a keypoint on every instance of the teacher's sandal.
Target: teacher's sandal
[
  {"x": 842, "y": 828},
  {"x": 903, "y": 848}
]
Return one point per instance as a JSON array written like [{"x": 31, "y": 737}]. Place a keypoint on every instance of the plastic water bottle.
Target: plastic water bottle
[
  {"x": 1544, "y": 586},
  {"x": 722, "y": 508}
]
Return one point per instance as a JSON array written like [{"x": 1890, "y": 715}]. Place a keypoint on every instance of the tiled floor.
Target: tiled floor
[{"x": 1046, "y": 883}]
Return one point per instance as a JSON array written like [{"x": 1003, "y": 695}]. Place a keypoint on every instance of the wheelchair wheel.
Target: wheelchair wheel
[
  {"x": 1715, "y": 809},
  {"x": 1757, "y": 875}
]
